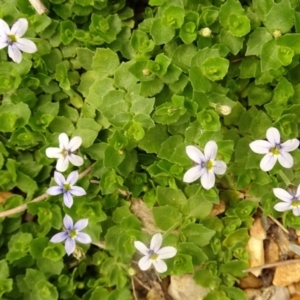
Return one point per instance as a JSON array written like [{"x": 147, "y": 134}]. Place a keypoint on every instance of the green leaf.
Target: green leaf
[
  {"x": 209, "y": 120},
  {"x": 85, "y": 57},
  {"x": 280, "y": 17},
  {"x": 105, "y": 62},
  {"x": 173, "y": 16},
  {"x": 165, "y": 216},
  {"x": 199, "y": 82},
  {"x": 169, "y": 196},
  {"x": 239, "y": 25},
  {"x": 215, "y": 68},
  {"x": 67, "y": 29},
  {"x": 259, "y": 94},
  {"x": 198, "y": 234},
  {"x": 233, "y": 43},
  {"x": 4, "y": 271},
  {"x": 256, "y": 41},
  {"x": 161, "y": 34},
  {"x": 269, "y": 57}
]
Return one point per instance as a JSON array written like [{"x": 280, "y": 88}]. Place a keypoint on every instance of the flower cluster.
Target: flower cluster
[
  {"x": 66, "y": 187},
  {"x": 207, "y": 165},
  {"x": 12, "y": 38}
]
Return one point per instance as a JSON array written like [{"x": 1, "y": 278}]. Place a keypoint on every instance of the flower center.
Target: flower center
[
  {"x": 67, "y": 186},
  {"x": 153, "y": 255},
  {"x": 275, "y": 150},
  {"x": 65, "y": 152},
  {"x": 208, "y": 165},
  {"x": 295, "y": 202},
  {"x": 73, "y": 233},
  {"x": 11, "y": 38}
]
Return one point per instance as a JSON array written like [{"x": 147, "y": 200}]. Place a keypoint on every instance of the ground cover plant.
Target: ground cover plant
[{"x": 174, "y": 106}]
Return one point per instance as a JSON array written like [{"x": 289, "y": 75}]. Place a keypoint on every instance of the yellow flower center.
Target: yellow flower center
[
  {"x": 12, "y": 38},
  {"x": 209, "y": 165},
  {"x": 154, "y": 256},
  {"x": 73, "y": 233},
  {"x": 275, "y": 150},
  {"x": 64, "y": 152},
  {"x": 67, "y": 186},
  {"x": 295, "y": 202}
]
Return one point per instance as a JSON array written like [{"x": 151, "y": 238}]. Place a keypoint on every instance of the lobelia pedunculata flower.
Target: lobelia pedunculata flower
[
  {"x": 274, "y": 150},
  {"x": 290, "y": 198},
  {"x": 66, "y": 187},
  {"x": 206, "y": 167},
  {"x": 155, "y": 254},
  {"x": 72, "y": 234},
  {"x": 65, "y": 152},
  {"x": 12, "y": 38}
]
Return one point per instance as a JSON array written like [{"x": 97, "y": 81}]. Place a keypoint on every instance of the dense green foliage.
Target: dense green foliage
[{"x": 139, "y": 82}]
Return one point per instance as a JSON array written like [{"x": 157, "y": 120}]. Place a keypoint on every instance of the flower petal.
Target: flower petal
[
  {"x": 81, "y": 224},
  {"x": 63, "y": 141},
  {"x": 193, "y": 174},
  {"x": 77, "y": 191},
  {"x": 26, "y": 45},
  {"x": 260, "y": 146},
  {"x": 59, "y": 237},
  {"x": 145, "y": 263},
  {"x": 70, "y": 246},
  {"x": 62, "y": 164},
  {"x": 160, "y": 266},
  {"x": 283, "y": 195},
  {"x": 68, "y": 222},
  {"x": 298, "y": 192},
  {"x": 290, "y": 145},
  {"x": 194, "y": 154},
  {"x": 59, "y": 179},
  {"x": 54, "y": 190},
  {"x": 53, "y": 152},
  {"x": 273, "y": 136},
  {"x": 282, "y": 206},
  {"x": 72, "y": 178},
  {"x": 268, "y": 162},
  {"x": 210, "y": 150},
  {"x": 296, "y": 211},
  {"x": 208, "y": 180},
  {"x": 219, "y": 167},
  {"x": 3, "y": 42},
  {"x": 156, "y": 242},
  {"x": 286, "y": 159},
  {"x": 68, "y": 199},
  {"x": 19, "y": 27},
  {"x": 83, "y": 238},
  {"x": 141, "y": 247},
  {"x": 4, "y": 28},
  {"x": 166, "y": 252},
  {"x": 14, "y": 53},
  {"x": 74, "y": 143},
  {"x": 75, "y": 160}
]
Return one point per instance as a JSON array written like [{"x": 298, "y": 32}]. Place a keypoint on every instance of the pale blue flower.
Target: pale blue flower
[
  {"x": 71, "y": 234},
  {"x": 66, "y": 187}
]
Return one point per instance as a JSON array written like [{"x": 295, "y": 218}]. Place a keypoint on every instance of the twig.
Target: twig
[
  {"x": 44, "y": 196},
  {"x": 142, "y": 284},
  {"x": 276, "y": 222},
  {"x": 276, "y": 264},
  {"x": 38, "y": 6},
  {"x": 133, "y": 289}
]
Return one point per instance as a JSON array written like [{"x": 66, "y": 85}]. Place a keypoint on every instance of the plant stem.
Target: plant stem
[
  {"x": 171, "y": 229},
  {"x": 44, "y": 196},
  {"x": 284, "y": 178}
]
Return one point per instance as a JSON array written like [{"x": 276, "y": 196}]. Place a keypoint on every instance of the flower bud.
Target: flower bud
[
  {"x": 205, "y": 32},
  {"x": 146, "y": 72},
  {"x": 225, "y": 110},
  {"x": 131, "y": 272},
  {"x": 276, "y": 33}
]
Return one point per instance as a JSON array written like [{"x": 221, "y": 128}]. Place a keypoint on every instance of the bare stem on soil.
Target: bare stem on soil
[{"x": 38, "y": 6}]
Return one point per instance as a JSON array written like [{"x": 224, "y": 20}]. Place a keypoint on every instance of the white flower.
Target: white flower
[
  {"x": 291, "y": 200},
  {"x": 155, "y": 254},
  {"x": 206, "y": 167},
  {"x": 13, "y": 39},
  {"x": 65, "y": 152},
  {"x": 274, "y": 150}
]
